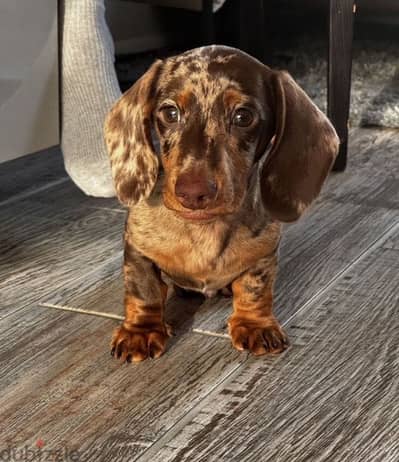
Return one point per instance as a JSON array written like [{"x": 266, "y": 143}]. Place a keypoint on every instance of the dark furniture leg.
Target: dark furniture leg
[
  {"x": 207, "y": 23},
  {"x": 339, "y": 72}
]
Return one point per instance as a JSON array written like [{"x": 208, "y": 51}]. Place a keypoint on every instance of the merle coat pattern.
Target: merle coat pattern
[{"x": 241, "y": 149}]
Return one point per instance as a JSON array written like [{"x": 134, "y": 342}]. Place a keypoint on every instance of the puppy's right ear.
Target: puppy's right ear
[
  {"x": 127, "y": 129},
  {"x": 303, "y": 152}
]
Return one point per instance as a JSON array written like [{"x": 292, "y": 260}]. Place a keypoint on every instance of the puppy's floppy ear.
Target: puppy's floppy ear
[
  {"x": 128, "y": 138},
  {"x": 304, "y": 149}
]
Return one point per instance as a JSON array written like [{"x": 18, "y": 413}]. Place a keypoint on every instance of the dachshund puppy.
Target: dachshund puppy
[{"x": 241, "y": 148}]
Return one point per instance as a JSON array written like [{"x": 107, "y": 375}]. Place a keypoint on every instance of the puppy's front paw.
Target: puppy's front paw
[
  {"x": 258, "y": 339},
  {"x": 136, "y": 343}
]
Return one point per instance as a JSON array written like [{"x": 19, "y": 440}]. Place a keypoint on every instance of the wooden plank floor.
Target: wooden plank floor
[
  {"x": 332, "y": 396},
  {"x": 51, "y": 237},
  {"x": 24, "y": 176}
]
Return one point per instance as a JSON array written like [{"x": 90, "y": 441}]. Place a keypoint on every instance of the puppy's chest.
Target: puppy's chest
[
  {"x": 205, "y": 258},
  {"x": 198, "y": 263}
]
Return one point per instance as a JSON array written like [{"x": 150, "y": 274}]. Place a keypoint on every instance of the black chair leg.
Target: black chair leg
[{"x": 339, "y": 72}]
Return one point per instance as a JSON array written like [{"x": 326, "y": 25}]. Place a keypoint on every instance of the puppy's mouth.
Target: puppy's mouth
[{"x": 197, "y": 215}]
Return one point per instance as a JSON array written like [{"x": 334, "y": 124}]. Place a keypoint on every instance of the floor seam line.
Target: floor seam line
[
  {"x": 107, "y": 208},
  {"x": 102, "y": 314},
  {"x": 209, "y": 333}
]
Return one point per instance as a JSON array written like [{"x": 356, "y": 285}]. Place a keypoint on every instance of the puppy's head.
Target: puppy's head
[{"x": 216, "y": 111}]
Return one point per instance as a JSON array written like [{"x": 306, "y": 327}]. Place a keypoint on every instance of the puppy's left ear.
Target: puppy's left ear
[
  {"x": 127, "y": 130},
  {"x": 303, "y": 152}
]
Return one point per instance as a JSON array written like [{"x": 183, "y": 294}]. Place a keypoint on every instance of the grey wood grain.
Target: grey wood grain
[
  {"x": 50, "y": 239},
  {"x": 373, "y": 171},
  {"x": 332, "y": 397},
  {"x": 392, "y": 243},
  {"x": 27, "y": 174},
  {"x": 60, "y": 384}
]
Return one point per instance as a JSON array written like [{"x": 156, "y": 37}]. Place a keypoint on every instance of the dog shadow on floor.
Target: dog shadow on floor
[{"x": 190, "y": 311}]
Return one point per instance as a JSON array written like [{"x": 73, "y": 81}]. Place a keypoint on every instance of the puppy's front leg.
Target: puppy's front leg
[
  {"x": 143, "y": 333},
  {"x": 253, "y": 325}
]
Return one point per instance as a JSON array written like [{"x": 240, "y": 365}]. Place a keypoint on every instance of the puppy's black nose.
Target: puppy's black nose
[{"x": 194, "y": 191}]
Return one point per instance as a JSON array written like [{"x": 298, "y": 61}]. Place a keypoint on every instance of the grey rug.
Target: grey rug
[{"x": 375, "y": 79}]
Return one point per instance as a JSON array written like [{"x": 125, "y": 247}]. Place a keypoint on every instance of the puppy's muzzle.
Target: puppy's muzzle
[{"x": 195, "y": 191}]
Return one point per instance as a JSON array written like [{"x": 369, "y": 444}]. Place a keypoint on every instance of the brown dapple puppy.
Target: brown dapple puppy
[{"x": 241, "y": 149}]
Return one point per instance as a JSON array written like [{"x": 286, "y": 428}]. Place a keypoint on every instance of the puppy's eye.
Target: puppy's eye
[
  {"x": 243, "y": 117},
  {"x": 170, "y": 114}
]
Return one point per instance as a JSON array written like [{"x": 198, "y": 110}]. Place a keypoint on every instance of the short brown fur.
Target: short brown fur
[{"x": 266, "y": 171}]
